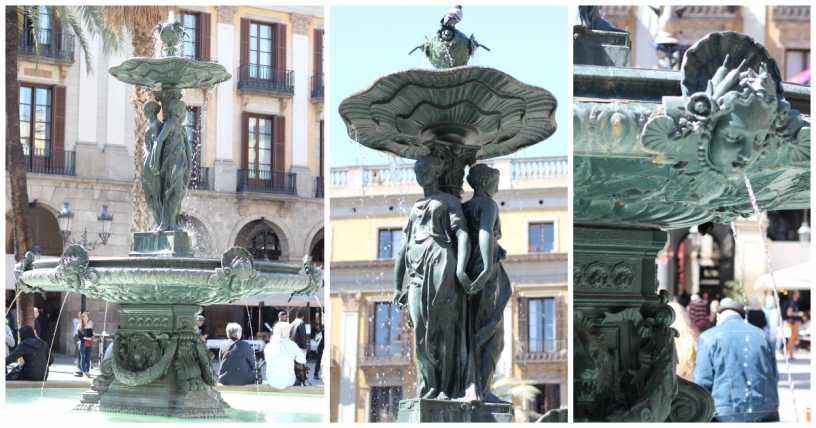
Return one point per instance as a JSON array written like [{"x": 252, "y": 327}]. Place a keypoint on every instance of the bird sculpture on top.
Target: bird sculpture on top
[{"x": 452, "y": 17}]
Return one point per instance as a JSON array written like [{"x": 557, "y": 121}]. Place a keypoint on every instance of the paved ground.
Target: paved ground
[
  {"x": 63, "y": 375},
  {"x": 800, "y": 374}
]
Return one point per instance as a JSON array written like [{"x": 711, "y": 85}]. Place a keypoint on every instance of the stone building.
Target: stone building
[
  {"x": 372, "y": 365},
  {"x": 258, "y": 146}
]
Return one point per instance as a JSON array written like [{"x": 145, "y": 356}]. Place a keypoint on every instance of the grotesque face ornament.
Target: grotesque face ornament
[{"x": 738, "y": 139}]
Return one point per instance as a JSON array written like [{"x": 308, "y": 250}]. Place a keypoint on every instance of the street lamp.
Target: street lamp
[
  {"x": 66, "y": 217},
  {"x": 37, "y": 250}
]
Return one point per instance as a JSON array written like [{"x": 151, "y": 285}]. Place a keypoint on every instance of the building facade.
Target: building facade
[
  {"x": 372, "y": 365},
  {"x": 258, "y": 143}
]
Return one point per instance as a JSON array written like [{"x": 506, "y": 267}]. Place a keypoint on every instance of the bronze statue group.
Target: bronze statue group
[{"x": 456, "y": 288}]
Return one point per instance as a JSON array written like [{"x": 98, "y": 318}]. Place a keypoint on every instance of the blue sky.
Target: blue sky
[{"x": 529, "y": 43}]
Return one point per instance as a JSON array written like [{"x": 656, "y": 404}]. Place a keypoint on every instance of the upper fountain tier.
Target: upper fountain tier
[
  {"x": 171, "y": 71},
  {"x": 672, "y": 149}
]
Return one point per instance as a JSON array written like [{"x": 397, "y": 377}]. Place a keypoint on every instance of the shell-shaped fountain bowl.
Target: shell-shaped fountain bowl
[
  {"x": 170, "y": 73},
  {"x": 407, "y": 111},
  {"x": 157, "y": 280}
]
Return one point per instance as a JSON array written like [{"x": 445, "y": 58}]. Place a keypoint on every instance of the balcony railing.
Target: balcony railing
[
  {"x": 251, "y": 180},
  {"x": 200, "y": 179},
  {"x": 49, "y": 161},
  {"x": 318, "y": 86},
  {"x": 541, "y": 351},
  {"x": 319, "y": 187},
  {"x": 385, "y": 354},
  {"x": 51, "y": 44},
  {"x": 265, "y": 78}
]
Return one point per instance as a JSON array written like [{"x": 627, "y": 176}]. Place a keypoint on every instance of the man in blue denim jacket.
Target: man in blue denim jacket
[{"x": 736, "y": 362}]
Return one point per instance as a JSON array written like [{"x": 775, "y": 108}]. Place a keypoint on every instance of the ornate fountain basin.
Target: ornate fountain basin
[
  {"x": 475, "y": 108},
  {"x": 170, "y": 73},
  {"x": 153, "y": 280}
]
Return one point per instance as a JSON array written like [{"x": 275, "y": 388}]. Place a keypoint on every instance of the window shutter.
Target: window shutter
[
  {"x": 281, "y": 59},
  {"x": 245, "y": 140},
  {"x": 244, "y": 41},
  {"x": 371, "y": 323},
  {"x": 204, "y": 35},
  {"x": 318, "y": 52},
  {"x": 279, "y": 142},
  {"x": 320, "y": 171},
  {"x": 560, "y": 322},
  {"x": 523, "y": 322},
  {"x": 58, "y": 119}
]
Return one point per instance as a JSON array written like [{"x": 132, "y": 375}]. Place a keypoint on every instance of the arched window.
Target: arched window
[{"x": 265, "y": 246}]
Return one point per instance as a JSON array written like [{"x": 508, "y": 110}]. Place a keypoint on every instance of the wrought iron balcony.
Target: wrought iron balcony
[
  {"x": 385, "y": 354},
  {"x": 200, "y": 179},
  {"x": 49, "y": 161},
  {"x": 265, "y": 78},
  {"x": 51, "y": 44},
  {"x": 318, "y": 86},
  {"x": 251, "y": 180},
  {"x": 538, "y": 351},
  {"x": 319, "y": 187}
]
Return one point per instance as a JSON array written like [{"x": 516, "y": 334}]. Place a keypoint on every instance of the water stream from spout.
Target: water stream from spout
[
  {"x": 50, "y": 348},
  {"x": 775, "y": 290},
  {"x": 252, "y": 338},
  {"x": 11, "y": 305}
]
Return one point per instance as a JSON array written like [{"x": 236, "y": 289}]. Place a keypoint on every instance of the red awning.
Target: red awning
[{"x": 802, "y": 78}]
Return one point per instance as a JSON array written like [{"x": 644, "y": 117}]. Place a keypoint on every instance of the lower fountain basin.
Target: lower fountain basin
[{"x": 244, "y": 407}]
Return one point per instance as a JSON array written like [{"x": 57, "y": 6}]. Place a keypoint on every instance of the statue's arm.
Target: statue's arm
[
  {"x": 462, "y": 255},
  {"x": 165, "y": 132},
  {"x": 487, "y": 244},
  {"x": 399, "y": 268}
]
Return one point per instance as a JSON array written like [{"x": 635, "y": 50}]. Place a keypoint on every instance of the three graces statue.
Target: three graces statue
[{"x": 456, "y": 288}]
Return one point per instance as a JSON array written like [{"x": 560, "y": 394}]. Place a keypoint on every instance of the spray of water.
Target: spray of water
[
  {"x": 252, "y": 337},
  {"x": 11, "y": 305},
  {"x": 50, "y": 348},
  {"x": 773, "y": 284}
]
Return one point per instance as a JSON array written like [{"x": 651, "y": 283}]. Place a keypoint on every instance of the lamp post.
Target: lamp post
[{"x": 65, "y": 219}]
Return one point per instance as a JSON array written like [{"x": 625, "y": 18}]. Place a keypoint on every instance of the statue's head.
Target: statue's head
[
  {"x": 738, "y": 112},
  {"x": 446, "y": 34},
  {"x": 151, "y": 109},
  {"x": 484, "y": 177},
  {"x": 178, "y": 110},
  {"x": 428, "y": 169}
]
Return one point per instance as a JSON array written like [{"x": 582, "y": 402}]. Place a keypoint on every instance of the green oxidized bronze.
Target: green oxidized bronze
[
  {"x": 449, "y": 48},
  {"x": 160, "y": 365}
]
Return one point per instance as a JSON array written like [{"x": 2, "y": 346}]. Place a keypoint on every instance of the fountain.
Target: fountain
[
  {"x": 658, "y": 150},
  {"x": 160, "y": 365},
  {"x": 456, "y": 288}
]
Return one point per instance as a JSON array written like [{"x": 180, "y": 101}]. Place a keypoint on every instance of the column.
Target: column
[
  {"x": 89, "y": 155},
  {"x": 347, "y": 402},
  {"x": 225, "y": 168},
  {"x": 120, "y": 163},
  {"x": 300, "y": 104}
]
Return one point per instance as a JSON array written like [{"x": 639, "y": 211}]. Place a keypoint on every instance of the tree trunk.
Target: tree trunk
[
  {"x": 142, "y": 47},
  {"x": 17, "y": 162}
]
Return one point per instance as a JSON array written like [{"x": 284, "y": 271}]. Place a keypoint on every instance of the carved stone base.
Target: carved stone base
[
  {"x": 164, "y": 244},
  {"x": 422, "y": 410}
]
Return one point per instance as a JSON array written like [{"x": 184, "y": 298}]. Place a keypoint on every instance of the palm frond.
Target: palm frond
[
  {"x": 135, "y": 17},
  {"x": 68, "y": 18},
  {"x": 113, "y": 38}
]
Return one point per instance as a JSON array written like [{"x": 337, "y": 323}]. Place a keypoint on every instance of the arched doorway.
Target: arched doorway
[
  {"x": 316, "y": 249},
  {"x": 203, "y": 245},
  {"x": 43, "y": 228}
]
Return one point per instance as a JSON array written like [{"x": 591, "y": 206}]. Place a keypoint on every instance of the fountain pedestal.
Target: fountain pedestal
[
  {"x": 422, "y": 410},
  {"x": 162, "y": 244}
]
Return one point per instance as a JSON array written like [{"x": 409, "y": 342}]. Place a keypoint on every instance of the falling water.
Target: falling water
[
  {"x": 104, "y": 322},
  {"x": 50, "y": 348},
  {"x": 252, "y": 337},
  {"x": 773, "y": 283},
  {"x": 739, "y": 265},
  {"x": 11, "y": 305}
]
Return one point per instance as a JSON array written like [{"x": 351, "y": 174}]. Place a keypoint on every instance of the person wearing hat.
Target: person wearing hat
[
  {"x": 200, "y": 324},
  {"x": 737, "y": 364}
]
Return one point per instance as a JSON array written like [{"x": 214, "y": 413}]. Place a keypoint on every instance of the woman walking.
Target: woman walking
[{"x": 86, "y": 342}]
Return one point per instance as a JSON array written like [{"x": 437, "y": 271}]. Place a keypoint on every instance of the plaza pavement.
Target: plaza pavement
[
  {"x": 801, "y": 374},
  {"x": 63, "y": 375}
]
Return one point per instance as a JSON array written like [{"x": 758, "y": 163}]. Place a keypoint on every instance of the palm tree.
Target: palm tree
[
  {"x": 140, "y": 22},
  {"x": 15, "y": 18}
]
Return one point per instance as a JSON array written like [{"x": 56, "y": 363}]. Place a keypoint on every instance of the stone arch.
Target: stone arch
[
  {"x": 202, "y": 241},
  {"x": 724, "y": 238},
  {"x": 49, "y": 237},
  {"x": 252, "y": 228},
  {"x": 316, "y": 246}
]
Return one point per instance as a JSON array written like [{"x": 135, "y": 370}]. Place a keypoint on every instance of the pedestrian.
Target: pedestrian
[
  {"x": 736, "y": 363},
  {"x": 35, "y": 354},
  {"x": 77, "y": 340},
  {"x": 45, "y": 323},
  {"x": 685, "y": 343},
  {"x": 713, "y": 306},
  {"x": 772, "y": 318},
  {"x": 698, "y": 313},
  {"x": 298, "y": 331},
  {"x": 319, "y": 356},
  {"x": 86, "y": 342},
  {"x": 281, "y": 354},
  {"x": 793, "y": 319},
  {"x": 12, "y": 317},
  {"x": 9, "y": 340},
  {"x": 756, "y": 317},
  {"x": 200, "y": 324},
  {"x": 237, "y": 359},
  {"x": 37, "y": 329}
]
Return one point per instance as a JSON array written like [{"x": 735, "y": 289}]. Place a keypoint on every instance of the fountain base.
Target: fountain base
[
  {"x": 162, "y": 244},
  {"x": 423, "y": 410}
]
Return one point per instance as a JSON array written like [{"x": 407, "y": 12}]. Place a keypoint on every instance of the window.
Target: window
[
  {"x": 390, "y": 242},
  {"x": 541, "y": 238},
  {"x": 548, "y": 399},
  {"x": 196, "y": 44},
  {"x": 259, "y": 153},
  {"x": 796, "y": 61},
  {"x": 263, "y": 57},
  {"x": 387, "y": 329},
  {"x": 35, "y": 120},
  {"x": 260, "y": 50},
  {"x": 265, "y": 245},
  {"x": 385, "y": 403},
  {"x": 541, "y": 325}
]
